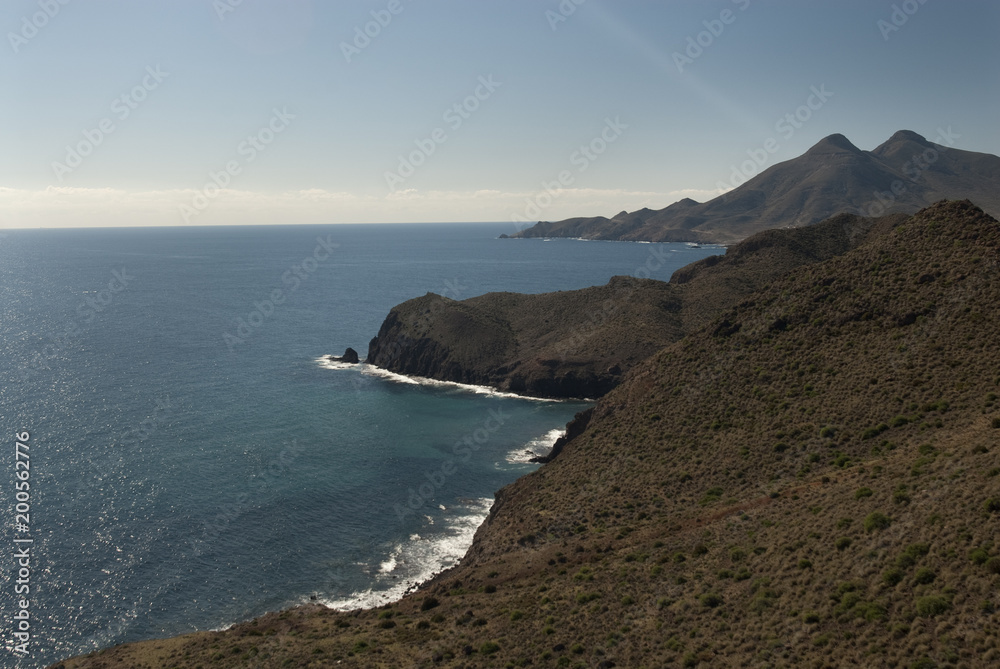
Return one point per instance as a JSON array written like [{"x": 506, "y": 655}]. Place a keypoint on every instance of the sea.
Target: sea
[{"x": 179, "y": 454}]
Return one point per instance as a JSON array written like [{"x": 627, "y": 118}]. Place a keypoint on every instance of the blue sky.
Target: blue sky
[{"x": 301, "y": 120}]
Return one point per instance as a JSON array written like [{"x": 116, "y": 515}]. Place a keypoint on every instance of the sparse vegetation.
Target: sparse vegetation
[
  {"x": 697, "y": 553},
  {"x": 876, "y": 521}
]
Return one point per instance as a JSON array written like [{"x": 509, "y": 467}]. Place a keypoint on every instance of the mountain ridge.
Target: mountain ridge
[{"x": 902, "y": 175}]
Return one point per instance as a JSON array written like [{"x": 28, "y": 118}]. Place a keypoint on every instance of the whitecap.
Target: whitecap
[
  {"x": 539, "y": 446},
  {"x": 327, "y": 363},
  {"x": 371, "y": 370},
  {"x": 419, "y": 559}
]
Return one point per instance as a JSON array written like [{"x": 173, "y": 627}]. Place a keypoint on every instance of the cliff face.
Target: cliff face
[
  {"x": 580, "y": 343},
  {"x": 566, "y": 344},
  {"x": 812, "y": 474},
  {"x": 902, "y": 175}
]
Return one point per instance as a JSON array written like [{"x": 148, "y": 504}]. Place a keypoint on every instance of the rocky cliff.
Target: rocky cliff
[{"x": 581, "y": 343}]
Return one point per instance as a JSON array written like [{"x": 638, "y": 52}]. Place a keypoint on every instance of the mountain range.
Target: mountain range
[{"x": 903, "y": 175}]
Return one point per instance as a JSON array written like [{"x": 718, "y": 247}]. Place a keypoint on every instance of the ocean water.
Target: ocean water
[{"x": 192, "y": 460}]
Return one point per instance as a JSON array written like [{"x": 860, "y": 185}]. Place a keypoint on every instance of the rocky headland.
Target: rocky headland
[{"x": 581, "y": 343}]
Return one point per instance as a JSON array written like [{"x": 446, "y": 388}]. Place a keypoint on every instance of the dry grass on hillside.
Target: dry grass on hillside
[{"x": 811, "y": 481}]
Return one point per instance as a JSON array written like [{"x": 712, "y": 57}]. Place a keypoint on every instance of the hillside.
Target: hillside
[
  {"x": 811, "y": 479},
  {"x": 904, "y": 174},
  {"x": 580, "y": 343}
]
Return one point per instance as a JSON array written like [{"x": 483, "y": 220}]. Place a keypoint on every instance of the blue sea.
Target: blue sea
[{"x": 191, "y": 458}]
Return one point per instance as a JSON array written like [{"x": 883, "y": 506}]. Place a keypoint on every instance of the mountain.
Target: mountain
[
  {"x": 810, "y": 479},
  {"x": 904, "y": 174}
]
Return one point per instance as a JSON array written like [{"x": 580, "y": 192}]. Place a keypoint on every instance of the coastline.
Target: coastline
[{"x": 367, "y": 369}]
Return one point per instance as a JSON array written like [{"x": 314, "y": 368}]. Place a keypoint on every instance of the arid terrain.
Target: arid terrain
[{"x": 809, "y": 476}]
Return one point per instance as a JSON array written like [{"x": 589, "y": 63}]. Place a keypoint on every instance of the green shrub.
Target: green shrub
[
  {"x": 876, "y": 521},
  {"x": 900, "y": 496},
  {"x": 805, "y": 564},
  {"x": 892, "y": 576},
  {"x": 428, "y": 603},
  {"x": 842, "y": 543},
  {"x": 710, "y": 600},
  {"x": 863, "y": 492},
  {"x": 763, "y": 600},
  {"x": 979, "y": 556},
  {"x": 993, "y": 565},
  {"x": 924, "y": 576},
  {"x": 489, "y": 648},
  {"x": 711, "y": 495},
  {"x": 848, "y": 601},
  {"x": 516, "y": 615},
  {"x": 991, "y": 505},
  {"x": 870, "y": 611},
  {"x": 923, "y": 663},
  {"x": 874, "y": 431},
  {"x": 932, "y": 605}
]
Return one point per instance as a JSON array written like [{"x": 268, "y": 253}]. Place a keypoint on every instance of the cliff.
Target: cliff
[{"x": 581, "y": 343}]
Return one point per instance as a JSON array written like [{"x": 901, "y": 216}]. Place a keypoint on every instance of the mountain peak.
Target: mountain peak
[
  {"x": 835, "y": 143},
  {"x": 901, "y": 144},
  {"x": 907, "y": 136}
]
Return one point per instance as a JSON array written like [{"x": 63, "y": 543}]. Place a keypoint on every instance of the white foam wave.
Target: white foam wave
[
  {"x": 327, "y": 363},
  {"x": 371, "y": 370},
  {"x": 539, "y": 446},
  {"x": 419, "y": 559}
]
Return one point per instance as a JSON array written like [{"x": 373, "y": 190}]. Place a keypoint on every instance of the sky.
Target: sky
[{"x": 228, "y": 112}]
